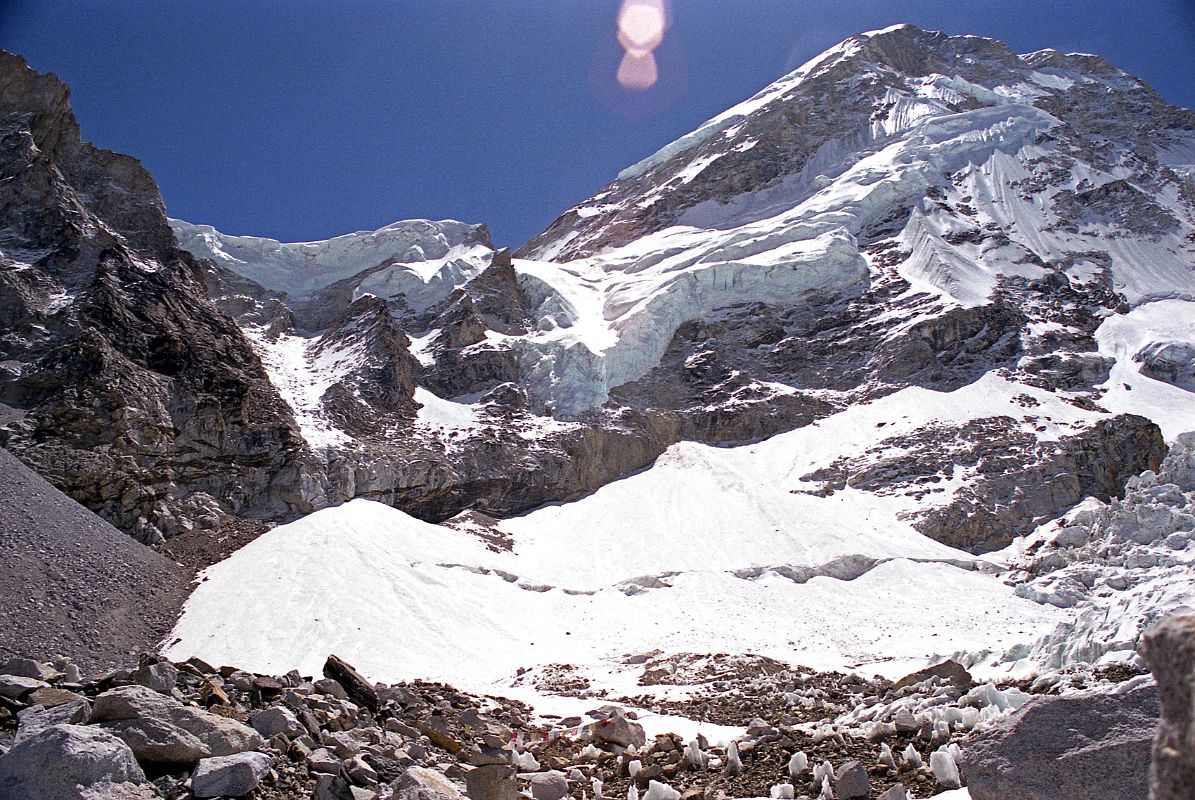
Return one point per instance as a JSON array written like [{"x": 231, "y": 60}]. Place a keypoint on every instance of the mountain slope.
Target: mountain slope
[
  {"x": 119, "y": 380},
  {"x": 939, "y": 290},
  {"x": 71, "y": 584},
  {"x": 907, "y": 209}
]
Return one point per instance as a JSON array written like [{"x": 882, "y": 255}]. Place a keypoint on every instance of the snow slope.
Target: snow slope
[
  {"x": 1123, "y": 338},
  {"x": 302, "y": 374},
  {"x": 708, "y": 551}
]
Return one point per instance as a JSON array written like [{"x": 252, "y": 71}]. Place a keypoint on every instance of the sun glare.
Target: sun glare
[{"x": 641, "y": 26}]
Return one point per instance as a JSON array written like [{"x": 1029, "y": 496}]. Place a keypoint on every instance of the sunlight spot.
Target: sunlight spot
[
  {"x": 638, "y": 70},
  {"x": 641, "y": 26}
]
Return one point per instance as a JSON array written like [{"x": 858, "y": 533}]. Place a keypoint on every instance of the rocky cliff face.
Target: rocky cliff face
[{"x": 120, "y": 381}]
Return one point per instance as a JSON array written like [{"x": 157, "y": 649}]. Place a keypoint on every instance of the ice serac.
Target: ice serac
[
  {"x": 119, "y": 380},
  {"x": 419, "y": 259}
]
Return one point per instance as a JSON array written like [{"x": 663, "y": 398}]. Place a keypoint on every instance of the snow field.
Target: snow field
[{"x": 401, "y": 598}]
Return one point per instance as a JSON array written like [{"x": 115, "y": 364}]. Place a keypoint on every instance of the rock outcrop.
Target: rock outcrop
[
  {"x": 1059, "y": 748},
  {"x": 1170, "y": 649},
  {"x": 122, "y": 383}
]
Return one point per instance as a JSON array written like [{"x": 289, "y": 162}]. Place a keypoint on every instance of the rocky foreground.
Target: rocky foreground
[{"x": 174, "y": 731}]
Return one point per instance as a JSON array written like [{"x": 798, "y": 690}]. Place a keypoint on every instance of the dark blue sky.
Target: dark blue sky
[{"x": 308, "y": 118}]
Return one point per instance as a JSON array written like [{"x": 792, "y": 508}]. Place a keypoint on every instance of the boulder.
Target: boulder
[
  {"x": 359, "y": 690},
  {"x": 230, "y": 776},
  {"x": 1169, "y": 647},
  {"x": 28, "y": 668},
  {"x": 14, "y": 687},
  {"x": 324, "y": 761},
  {"x": 949, "y": 670},
  {"x": 50, "y": 697},
  {"x": 333, "y": 787},
  {"x": 54, "y": 762},
  {"x": 330, "y": 687},
  {"x": 160, "y": 676},
  {"x": 119, "y": 791},
  {"x": 37, "y": 718},
  {"x": 896, "y": 792},
  {"x": 418, "y": 783},
  {"x": 551, "y": 785},
  {"x": 275, "y": 720},
  {"x": 360, "y": 772},
  {"x": 161, "y": 730},
  {"x": 620, "y": 731},
  {"x": 492, "y": 782},
  {"x": 1059, "y": 747},
  {"x": 851, "y": 781}
]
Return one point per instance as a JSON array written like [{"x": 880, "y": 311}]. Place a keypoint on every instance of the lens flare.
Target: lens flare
[
  {"x": 641, "y": 26},
  {"x": 637, "y": 71}
]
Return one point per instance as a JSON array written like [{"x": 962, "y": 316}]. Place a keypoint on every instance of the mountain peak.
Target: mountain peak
[{"x": 853, "y": 98}]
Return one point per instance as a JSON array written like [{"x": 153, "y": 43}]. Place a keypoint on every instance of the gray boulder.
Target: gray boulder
[
  {"x": 850, "y": 781},
  {"x": 230, "y": 776},
  {"x": 14, "y": 687},
  {"x": 1058, "y": 748},
  {"x": 28, "y": 668},
  {"x": 551, "y": 785},
  {"x": 418, "y": 783},
  {"x": 161, "y": 677},
  {"x": 323, "y": 760},
  {"x": 37, "y": 718},
  {"x": 333, "y": 787},
  {"x": 120, "y": 791},
  {"x": 492, "y": 782},
  {"x": 55, "y": 762},
  {"x": 620, "y": 731},
  {"x": 275, "y": 720},
  {"x": 331, "y": 687},
  {"x": 161, "y": 730},
  {"x": 1169, "y": 647}
]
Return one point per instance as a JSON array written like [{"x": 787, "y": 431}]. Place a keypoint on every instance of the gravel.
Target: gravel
[{"x": 71, "y": 584}]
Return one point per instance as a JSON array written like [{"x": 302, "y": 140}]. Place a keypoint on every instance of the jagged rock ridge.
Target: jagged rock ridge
[{"x": 120, "y": 381}]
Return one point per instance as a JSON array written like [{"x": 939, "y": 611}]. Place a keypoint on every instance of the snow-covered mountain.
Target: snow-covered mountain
[
  {"x": 940, "y": 295},
  {"x": 890, "y": 363},
  {"x": 906, "y": 209},
  {"x": 418, "y": 260},
  {"x": 870, "y": 357}
]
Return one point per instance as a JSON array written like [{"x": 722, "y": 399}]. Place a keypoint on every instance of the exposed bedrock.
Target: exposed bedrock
[
  {"x": 1170, "y": 649},
  {"x": 1016, "y": 481},
  {"x": 123, "y": 384}
]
